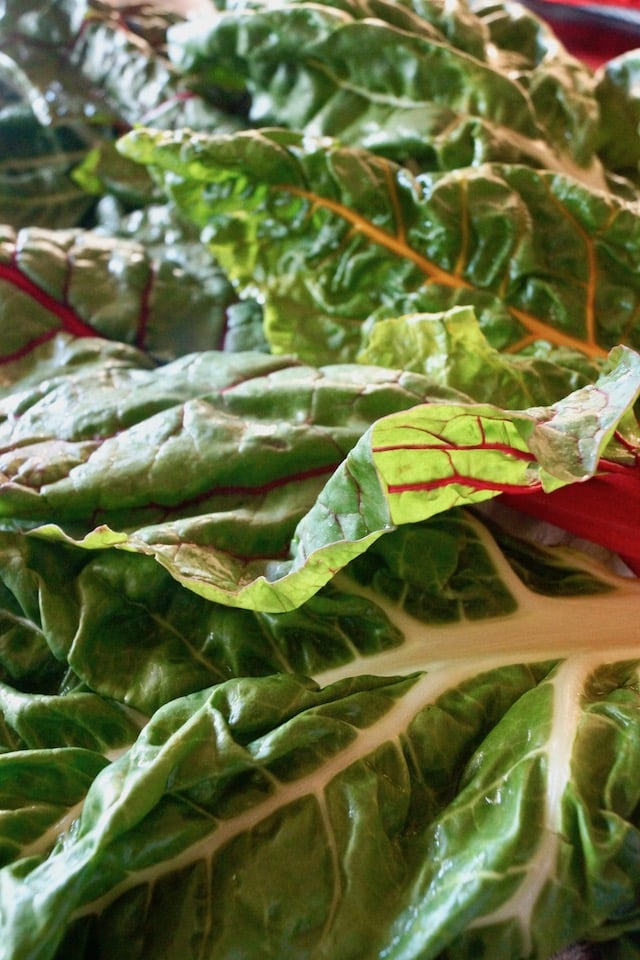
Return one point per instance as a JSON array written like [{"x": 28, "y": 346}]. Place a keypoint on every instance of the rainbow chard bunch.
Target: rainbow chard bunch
[{"x": 319, "y": 485}]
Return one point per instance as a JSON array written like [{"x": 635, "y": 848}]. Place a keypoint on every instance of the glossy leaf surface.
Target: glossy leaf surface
[
  {"x": 319, "y": 485},
  {"x": 432, "y": 90},
  {"x": 333, "y": 237},
  {"x": 319, "y": 462}
]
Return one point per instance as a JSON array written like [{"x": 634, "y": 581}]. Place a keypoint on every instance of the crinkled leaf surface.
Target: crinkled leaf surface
[
  {"x": 130, "y": 631},
  {"x": 122, "y": 54},
  {"x": 374, "y": 777},
  {"x": 619, "y": 98},
  {"x": 332, "y": 236},
  {"x": 451, "y": 348},
  {"x": 36, "y": 161},
  {"x": 303, "y": 467},
  {"x": 38, "y": 722},
  {"x": 87, "y": 284},
  {"x": 76, "y": 74},
  {"x": 424, "y": 833},
  {"x": 560, "y": 87},
  {"x": 41, "y": 791},
  {"x": 382, "y": 77},
  {"x": 441, "y": 640},
  {"x": 239, "y": 323},
  {"x": 285, "y": 428},
  {"x": 100, "y": 65}
]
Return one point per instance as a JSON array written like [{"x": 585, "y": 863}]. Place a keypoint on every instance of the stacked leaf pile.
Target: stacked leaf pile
[{"x": 319, "y": 484}]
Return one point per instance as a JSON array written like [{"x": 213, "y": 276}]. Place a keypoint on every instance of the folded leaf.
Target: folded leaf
[
  {"x": 421, "y": 590},
  {"x": 286, "y": 472}
]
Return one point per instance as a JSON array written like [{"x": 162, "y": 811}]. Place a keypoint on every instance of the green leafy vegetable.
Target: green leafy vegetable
[
  {"x": 87, "y": 284},
  {"x": 333, "y": 236},
  {"x": 235, "y": 778},
  {"x": 619, "y": 97},
  {"x": 430, "y": 91},
  {"x": 318, "y": 463},
  {"x": 36, "y": 160},
  {"x": 319, "y": 485},
  {"x": 451, "y": 348}
]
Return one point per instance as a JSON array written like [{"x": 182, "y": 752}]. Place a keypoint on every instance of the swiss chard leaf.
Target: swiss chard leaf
[
  {"x": 312, "y": 465},
  {"x": 239, "y": 325},
  {"x": 561, "y": 89},
  {"x": 86, "y": 284},
  {"x": 395, "y": 81},
  {"x": 122, "y": 54},
  {"x": 365, "y": 775},
  {"x": 103, "y": 65},
  {"x": 37, "y": 160},
  {"x": 132, "y": 633},
  {"x": 301, "y": 420},
  {"x": 39, "y": 613},
  {"x": 619, "y": 98},
  {"x": 41, "y": 791},
  {"x": 82, "y": 73},
  {"x": 332, "y": 236},
  {"x": 366, "y": 626},
  {"x": 451, "y": 349},
  {"x": 84, "y": 720}
]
